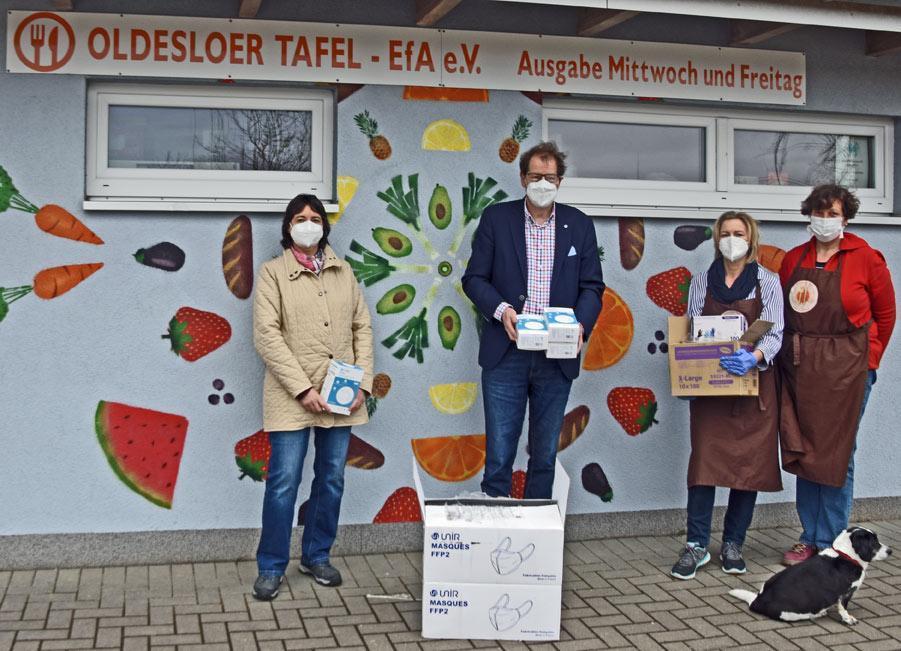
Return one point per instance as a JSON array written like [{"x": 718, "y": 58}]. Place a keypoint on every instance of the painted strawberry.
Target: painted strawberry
[
  {"x": 518, "y": 487},
  {"x": 195, "y": 333},
  {"x": 252, "y": 456},
  {"x": 401, "y": 506},
  {"x": 633, "y": 407},
  {"x": 669, "y": 290}
]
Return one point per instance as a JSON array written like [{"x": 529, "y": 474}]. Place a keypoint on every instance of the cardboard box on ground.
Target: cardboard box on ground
[
  {"x": 694, "y": 367},
  {"x": 493, "y": 568}
]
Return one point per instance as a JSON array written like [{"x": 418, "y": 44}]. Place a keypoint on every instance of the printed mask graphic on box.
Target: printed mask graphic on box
[
  {"x": 502, "y": 617},
  {"x": 505, "y": 561}
]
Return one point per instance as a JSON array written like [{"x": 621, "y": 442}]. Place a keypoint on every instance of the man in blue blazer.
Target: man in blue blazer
[{"x": 527, "y": 255}]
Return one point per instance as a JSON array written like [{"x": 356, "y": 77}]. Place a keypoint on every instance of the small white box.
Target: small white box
[
  {"x": 716, "y": 328},
  {"x": 562, "y": 325},
  {"x": 531, "y": 332},
  {"x": 342, "y": 381},
  {"x": 486, "y": 611},
  {"x": 563, "y": 349}
]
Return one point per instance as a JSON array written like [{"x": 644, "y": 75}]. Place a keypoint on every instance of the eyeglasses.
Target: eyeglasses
[{"x": 534, "y": 177}]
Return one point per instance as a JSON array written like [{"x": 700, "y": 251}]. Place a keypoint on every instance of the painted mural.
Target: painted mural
[{"x": 416, "y": 168}]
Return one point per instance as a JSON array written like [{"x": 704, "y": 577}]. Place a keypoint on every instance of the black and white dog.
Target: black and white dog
[{"x": 809, "y": 589}]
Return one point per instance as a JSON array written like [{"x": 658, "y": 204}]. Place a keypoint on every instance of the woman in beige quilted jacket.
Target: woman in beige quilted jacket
[{"x": 308, "y": 310}]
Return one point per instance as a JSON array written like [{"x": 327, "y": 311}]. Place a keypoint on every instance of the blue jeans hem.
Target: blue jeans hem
[{"x": 270, "y": 573}]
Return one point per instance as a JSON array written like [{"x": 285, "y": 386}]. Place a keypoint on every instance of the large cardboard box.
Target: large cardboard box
[
  {"x": 488, "y": 611},
  {"x": 694, "y": 368},
  {"x": 475, "y": 551}
]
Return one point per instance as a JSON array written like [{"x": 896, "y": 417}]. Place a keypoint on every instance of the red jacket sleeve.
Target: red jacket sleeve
[{"x": 882, "y": 301}]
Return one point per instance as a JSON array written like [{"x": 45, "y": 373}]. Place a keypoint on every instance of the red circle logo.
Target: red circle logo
[{"x": 44, "y": 42}]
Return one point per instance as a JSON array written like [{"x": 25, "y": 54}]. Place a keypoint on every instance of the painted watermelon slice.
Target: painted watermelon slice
[{"x": 144, "y": 448}]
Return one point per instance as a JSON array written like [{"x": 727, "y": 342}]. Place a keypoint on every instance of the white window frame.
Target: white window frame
[
  {"x": 684, "y": 200},
  {"x": 108, "y": 188}
]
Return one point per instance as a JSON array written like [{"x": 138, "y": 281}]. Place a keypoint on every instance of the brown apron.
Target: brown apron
[
  {"x": 735, "y": 440},
  {"x": 823, "y": 370}
]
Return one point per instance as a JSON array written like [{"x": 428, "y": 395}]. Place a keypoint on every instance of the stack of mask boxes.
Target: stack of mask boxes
[
  {"x": 562, "y": 333},
  {"x": 493, "y": 568}
]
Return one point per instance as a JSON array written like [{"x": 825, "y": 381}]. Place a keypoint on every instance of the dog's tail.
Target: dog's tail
[{"x": 745, "y": 595}]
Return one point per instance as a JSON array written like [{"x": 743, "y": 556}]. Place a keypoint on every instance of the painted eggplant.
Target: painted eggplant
[
  {"x": 595, "y": 481},
  {"x": 165, "y": 255},
  {"x": 691, "y": 237}
]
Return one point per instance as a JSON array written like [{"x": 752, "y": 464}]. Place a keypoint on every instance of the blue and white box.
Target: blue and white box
[
  {"x": 531, "y": 332},
  {"x": 342, "y": 381},
  {"x": 562, "y": 325}
]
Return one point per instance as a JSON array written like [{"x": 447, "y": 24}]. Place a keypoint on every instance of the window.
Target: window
[
  {"x": 654, "y": 158},
  {"x": 206, "y": 147}
]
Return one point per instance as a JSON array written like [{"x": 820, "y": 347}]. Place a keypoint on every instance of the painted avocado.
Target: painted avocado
[
  {"x": 396, "y": 300},
  {"x": 440, "y": 207},
  {"x": 448, "y": 327},
  {"x": 392, "y": 242}
]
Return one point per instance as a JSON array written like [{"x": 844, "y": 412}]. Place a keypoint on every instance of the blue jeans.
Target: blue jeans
[
  {"x": 523, "y": 376},
  {"x": 738, "y": 514},
  {"x": 824, "y": 510},
  {"x": 321, "y": 521}
]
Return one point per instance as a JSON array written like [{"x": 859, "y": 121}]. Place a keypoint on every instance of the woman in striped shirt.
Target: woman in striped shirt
[{"x": 734, "y": 439}]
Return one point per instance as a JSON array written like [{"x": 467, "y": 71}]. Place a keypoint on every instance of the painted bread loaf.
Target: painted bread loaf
[{"x": 237, "y": 257}]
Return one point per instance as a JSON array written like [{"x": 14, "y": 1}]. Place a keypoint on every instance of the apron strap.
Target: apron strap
[{"x": 796, "y": 349}]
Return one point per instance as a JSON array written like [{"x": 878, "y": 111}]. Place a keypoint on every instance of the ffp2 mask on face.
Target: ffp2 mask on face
[
  {"x": 542, "y": 193},
  {"x": 306, "y": 234},
  {"x": 733, "y": 247}
]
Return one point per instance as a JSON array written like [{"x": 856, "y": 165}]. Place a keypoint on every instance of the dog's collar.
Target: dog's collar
[{"x": 848, "y": 558}]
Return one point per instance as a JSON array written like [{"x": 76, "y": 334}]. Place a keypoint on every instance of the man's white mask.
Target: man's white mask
[
  {"x": 502, "y": 617},
  {"x": 505, "y": 561}
]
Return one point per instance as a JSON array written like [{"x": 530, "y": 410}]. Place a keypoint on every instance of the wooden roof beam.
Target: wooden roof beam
[
  {"x": 64, "y": 5},
  {"x": 595, "y": 21},
  {"x": 882, "y": 43},
  {"x": 429, "y": 12},
  {"x": 751, "y": 32},
  {"x": 249, "y": 8}
]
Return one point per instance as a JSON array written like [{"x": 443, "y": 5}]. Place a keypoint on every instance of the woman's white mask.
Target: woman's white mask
[
  {"x": 542, "y": 193},
  {"x": 505, "y": 561},
  {"x": 306, "y": 234},
  {"x": 502, "y": 617},
  {"x": 733, "y": 247},
  {"x": 826, "y": 229}
]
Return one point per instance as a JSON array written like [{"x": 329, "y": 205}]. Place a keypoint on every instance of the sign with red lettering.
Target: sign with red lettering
[{"x": 215, "y": 48}]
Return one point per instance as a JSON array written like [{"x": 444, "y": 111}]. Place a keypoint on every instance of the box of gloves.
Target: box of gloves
[
  {"x": 694, "y": 362},
  {"x": 531, "y": 332},
  {"x": 486, "y": 561},
  {"x": 342, "y": 381}
]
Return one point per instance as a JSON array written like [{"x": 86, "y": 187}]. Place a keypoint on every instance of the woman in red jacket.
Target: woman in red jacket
[{"x": 839, "y": 316}]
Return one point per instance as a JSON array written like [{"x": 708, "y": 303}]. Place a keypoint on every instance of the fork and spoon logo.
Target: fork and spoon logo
[{"x": 44, "y": 41}]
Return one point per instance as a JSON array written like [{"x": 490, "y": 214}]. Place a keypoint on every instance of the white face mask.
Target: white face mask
[
  {"x": 306, "y": 234},
  {"x": 502, "y": 617},
  {"x": 733, "y": 247},
  {"x": 505, "y": 561},
  {"x": 542, "y": 193},
  {"x": 826, "y": 229}
]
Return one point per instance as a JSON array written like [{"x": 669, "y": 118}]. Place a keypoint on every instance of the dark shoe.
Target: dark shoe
[
  {"x": 690, "y": 560},
  {"x": 799, "y": 553},
  {"x": 265, "y": 588},
  {"x": 730, "y": 557},
  {"x": 323, "y": 573}
]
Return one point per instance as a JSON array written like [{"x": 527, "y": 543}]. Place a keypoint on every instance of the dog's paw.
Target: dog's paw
[{"x": 850, "y": 620}]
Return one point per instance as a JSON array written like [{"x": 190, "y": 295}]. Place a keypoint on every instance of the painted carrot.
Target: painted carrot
[
  {"x": 55, "y": 281},
  {"x": 51, "y": 218}
]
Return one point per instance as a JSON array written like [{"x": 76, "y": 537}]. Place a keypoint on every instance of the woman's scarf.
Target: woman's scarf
[
  {"x": 741, "y": 288},
  {"x": 311, "y": 262}
]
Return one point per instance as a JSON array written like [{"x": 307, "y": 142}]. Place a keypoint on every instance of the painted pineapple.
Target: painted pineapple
[
  {"x": 379, "y": 144},
  {"x": 510, "y": 146}
]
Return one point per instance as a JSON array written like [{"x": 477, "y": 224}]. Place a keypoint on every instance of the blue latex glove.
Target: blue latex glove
[{"x": 738, "y": 363}]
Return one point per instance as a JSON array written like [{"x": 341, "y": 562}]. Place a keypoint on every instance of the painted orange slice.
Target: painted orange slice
[
  {"x": 437, "y": 94},
  {"x": 450, "y": 458},
  {"x": 770, "y": 257},
  {"x": 612, "y": 334}
]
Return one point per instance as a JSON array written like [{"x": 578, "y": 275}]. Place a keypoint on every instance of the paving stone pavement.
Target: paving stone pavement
[{"x": 617, "y": 595}]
